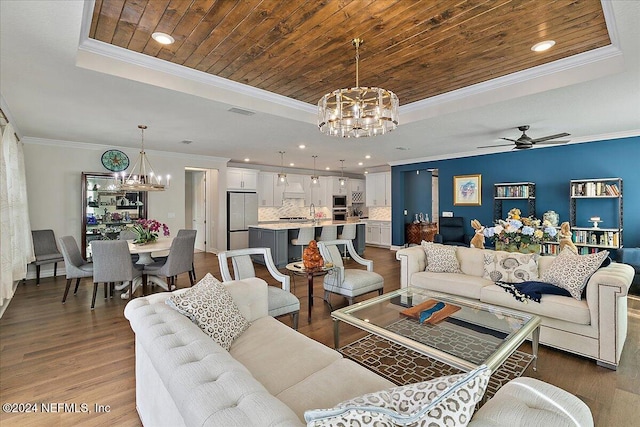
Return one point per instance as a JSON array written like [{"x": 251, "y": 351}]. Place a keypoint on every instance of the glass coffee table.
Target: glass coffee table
[{"x": 465, "y": 334}]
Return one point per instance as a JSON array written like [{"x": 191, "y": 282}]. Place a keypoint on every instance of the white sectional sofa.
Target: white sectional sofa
[
  {"x": 595, "y": 327},
  {"x": 273, "y": 374}
]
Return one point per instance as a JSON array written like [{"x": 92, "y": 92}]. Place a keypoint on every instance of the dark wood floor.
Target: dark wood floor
[{"x": 67, "y": 354}]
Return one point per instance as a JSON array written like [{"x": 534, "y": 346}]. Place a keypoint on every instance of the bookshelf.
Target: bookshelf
[
  {"x": 605, "y": 192},
  {"x": 511, "y": 191}
]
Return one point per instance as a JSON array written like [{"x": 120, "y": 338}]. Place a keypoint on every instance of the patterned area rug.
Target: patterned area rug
[{"x": 402, "y": 366}]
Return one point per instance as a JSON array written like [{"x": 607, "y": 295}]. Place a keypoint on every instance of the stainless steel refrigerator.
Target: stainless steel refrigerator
[{"x": 242, "y": 211}]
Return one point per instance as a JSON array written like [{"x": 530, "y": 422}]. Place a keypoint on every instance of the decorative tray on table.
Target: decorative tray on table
[{"x": 430, "y": 311}]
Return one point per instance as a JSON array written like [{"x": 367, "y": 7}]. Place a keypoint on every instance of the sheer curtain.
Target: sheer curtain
[{"x": 16, "y": 246}]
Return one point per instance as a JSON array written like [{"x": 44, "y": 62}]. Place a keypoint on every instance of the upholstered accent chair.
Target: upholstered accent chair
[
  {"x": 451, "y": 231},
  {"x": 348, "y": 282},
  {"x": 46, "y": 251},
  {"x": 281, "y": 300},
  {"x": 75, "y": 266},
  {"x": 180, "y": 260},
  {"x": 112, "y": 264}
]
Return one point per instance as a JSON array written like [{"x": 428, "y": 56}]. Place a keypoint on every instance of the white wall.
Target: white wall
[{"x": 54, "y": 168}]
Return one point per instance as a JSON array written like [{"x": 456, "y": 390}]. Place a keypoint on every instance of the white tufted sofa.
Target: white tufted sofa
[
  {"x": 270, "y": 376},
  {"x": 273, "y": 374},
  {"x": 595, "y": 327}
]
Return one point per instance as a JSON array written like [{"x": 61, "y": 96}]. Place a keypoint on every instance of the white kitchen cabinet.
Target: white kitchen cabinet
[
  {"x": 385, "y": 234},
  {"x": 320, "y": 195},
  {"x": 338, "y": 189},
  {"x": 378, "y": 233},
  {"x": 266, "y": 184},
  {"x": 378, "y": 189},
  {"x": 373, "y": 234},
  {"x": 242, "y": 179},
  {"x": 357, "y": 184}
]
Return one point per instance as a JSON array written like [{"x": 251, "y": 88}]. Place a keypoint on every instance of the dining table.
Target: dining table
[{"x": 144, "y": 252}]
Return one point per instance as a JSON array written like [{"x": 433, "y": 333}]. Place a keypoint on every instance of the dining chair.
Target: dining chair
[
  {"x": 75, "y": 266},
  {"x": 185, "y": 233},
  {"x": 281, "y": 300},
  {"x": 348, "y": 282},
  {"x": 128, "y": 234},
  {"x": 46, "y": 251},
  {"x": 180, "y": 260},
  {"x": 111, "y": 264}
]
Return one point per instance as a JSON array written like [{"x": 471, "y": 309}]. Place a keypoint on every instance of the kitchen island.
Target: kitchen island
[{"x": 278, "y": 236}]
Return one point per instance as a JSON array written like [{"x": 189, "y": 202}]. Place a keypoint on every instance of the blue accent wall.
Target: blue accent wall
[{"x": 550, "y": 169}]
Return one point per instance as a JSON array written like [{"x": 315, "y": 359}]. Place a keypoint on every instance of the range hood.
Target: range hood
[{"x": 294, "y": 191}]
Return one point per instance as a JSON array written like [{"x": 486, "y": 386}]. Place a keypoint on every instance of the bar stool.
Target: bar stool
[
  {"x": 305, "y": 235},
  {"x": 348, "y": 233},
  {"x": 329, "y": 232}
]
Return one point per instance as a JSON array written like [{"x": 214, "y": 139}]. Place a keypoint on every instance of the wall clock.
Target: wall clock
[{"x": 115, "y": 160}]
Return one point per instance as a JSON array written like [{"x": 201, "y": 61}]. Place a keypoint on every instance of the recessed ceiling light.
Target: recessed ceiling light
[
  {"x": 542, "y": 46},
  {"x": 368, "y": 156},
  {"x": 327, "y": 168},
  {"x": 302, "y": 146},
  {"x": 366, "y": 172},
  {"x": 163, "y": 38},
  {"x": 292, "y": 164},
  {"x": 360, "y": 163},
  {"x": 246, "y": 159}
]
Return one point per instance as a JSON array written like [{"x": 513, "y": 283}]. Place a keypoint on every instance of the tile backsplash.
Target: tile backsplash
[
  {"x": 380, "y": 213},
  {"x": 290, "y": 208}
]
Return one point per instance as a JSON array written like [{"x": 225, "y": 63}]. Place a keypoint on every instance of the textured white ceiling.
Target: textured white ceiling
[{"x": 49, "y": 96}]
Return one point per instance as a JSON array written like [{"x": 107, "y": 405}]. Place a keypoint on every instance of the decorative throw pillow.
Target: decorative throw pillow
[
  {"x": 510, "y": 267},
  {"x": 210, "y": 306},
  {"x": 571, "y": 272},
  {"x": 443, "y": 401},
  {"x": 441, "y": 258}
]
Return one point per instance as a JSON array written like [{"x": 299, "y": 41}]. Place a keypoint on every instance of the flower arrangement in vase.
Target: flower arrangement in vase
[
  {"x": 147, "y": 230},
  {"x": 520, "y": 234}
]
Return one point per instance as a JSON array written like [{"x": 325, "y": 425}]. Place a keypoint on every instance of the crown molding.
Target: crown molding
[
  {"x": 102, "y": 147},
  {"x": 580, "y": 140}
]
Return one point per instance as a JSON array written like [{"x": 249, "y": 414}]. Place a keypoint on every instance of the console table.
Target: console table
[{"x": 416, "y": 233}]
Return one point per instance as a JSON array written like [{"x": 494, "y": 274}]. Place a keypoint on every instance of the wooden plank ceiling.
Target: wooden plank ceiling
[{"x": 302, "y": 49}]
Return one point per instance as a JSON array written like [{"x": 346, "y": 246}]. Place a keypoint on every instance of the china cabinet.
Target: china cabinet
[{"x": 105, "y": 210}]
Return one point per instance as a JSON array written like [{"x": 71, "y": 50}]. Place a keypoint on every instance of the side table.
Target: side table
[{"x": 298, "y": 269}]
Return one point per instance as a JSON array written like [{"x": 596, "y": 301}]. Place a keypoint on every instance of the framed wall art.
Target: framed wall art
[{"x": 467, "y": 190}]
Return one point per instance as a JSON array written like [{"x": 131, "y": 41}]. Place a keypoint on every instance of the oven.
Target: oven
[{"x": 339, "y": 214}]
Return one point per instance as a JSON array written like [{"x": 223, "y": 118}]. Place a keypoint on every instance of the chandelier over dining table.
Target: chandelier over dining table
[
  {"x": 358, "y": 111},
  {"x": 141, "y": 176}
]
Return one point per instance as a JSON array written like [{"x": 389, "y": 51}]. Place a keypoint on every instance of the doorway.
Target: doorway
[{"x": 200, "y": 189}]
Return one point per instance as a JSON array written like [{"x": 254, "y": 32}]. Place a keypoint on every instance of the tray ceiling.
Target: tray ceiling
[{"x": 302, "y": 49}]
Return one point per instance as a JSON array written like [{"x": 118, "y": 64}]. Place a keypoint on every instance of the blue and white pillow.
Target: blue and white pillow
[{"x": 444, "y": 401}]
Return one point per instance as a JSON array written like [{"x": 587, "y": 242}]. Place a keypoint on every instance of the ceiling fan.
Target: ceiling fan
[{"x": 525, "y": 141}]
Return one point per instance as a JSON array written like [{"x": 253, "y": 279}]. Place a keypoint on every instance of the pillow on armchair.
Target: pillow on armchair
[{"x": 443, "y": 401}]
